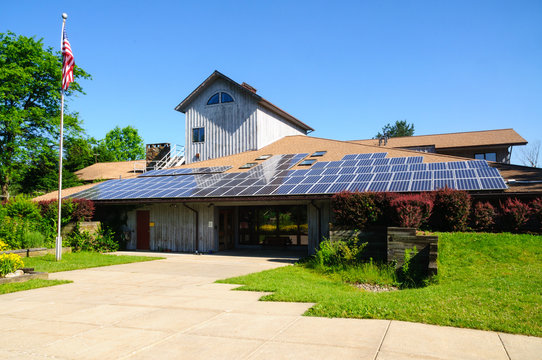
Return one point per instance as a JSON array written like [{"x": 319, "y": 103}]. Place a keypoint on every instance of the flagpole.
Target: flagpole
[{"x": 58, "y": 247}]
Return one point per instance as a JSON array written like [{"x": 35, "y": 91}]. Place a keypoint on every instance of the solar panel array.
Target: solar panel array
[{"x": 356, "y": 172}]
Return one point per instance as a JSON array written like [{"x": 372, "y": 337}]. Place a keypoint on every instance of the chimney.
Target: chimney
[{"x": 247, "y": 86}]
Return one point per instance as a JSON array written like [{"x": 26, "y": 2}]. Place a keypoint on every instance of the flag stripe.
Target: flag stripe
[{"x": 68, "y": 63}]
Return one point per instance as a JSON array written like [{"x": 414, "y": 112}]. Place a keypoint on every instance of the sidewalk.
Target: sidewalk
[{"x": 172, "y": 309}]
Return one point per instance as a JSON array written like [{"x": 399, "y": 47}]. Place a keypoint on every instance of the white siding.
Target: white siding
[
  {"x": 271, "y": 127},
  {"x": 230, "y": 128}
]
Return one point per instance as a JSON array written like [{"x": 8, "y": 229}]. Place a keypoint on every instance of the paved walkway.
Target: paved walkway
[{"x": 171, "y": 309}]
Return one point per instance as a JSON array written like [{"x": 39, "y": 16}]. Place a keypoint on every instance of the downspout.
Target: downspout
[
  {"x": 196, "y": 241},
  {"x": 319, "y": 212}
]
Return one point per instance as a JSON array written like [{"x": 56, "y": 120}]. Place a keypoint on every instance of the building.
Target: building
[
  {"x": 225, "y": 118},
  {"x": 253, "y": 178},
  {"x": 490, "y": 145}
]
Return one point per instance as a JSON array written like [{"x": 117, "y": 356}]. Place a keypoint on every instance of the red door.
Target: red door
[{"x": 143, "y": 230}]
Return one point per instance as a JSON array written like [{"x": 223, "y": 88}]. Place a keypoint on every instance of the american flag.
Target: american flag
[{"x": 67, "y": 62}]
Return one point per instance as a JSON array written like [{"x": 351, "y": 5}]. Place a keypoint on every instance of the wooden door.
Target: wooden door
[
  {"x": 226, "y": 231},
  {"x": 143, "y": 230}
]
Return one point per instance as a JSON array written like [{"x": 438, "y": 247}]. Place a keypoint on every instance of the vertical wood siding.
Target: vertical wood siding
[
  {"x": 230, "y": 128},
  {"x": 271, "y": 127},
  {"x": 174, "y": 228}
]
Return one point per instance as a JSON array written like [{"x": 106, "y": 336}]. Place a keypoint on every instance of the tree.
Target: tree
[
  {"x": 530, "y": 154},
  {"x": 30, "y": 80},
  {"x": 125, "y": 144},
  {"x": 400, "y": 128}
]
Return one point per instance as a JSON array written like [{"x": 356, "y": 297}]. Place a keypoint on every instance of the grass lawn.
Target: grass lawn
[
  {"x": 30, "y": 284},
  {"x": 485, "y": 281},
  {"x": 80, "y": 260},
  {"x": 73, "y": 261}
]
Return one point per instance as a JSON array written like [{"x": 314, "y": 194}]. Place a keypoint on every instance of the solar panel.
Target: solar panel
[
  {"x": 364, "y": 177},
  {"x": 319, "y": 188},
  {"x": 437, "y": 166},
  {"x": 383, "y": 177},
  {"x": 365, "y": 162},
  {"x": 379, "y": 155},
  {"x": 398, "y": 161},
  {"x": 337, "y": 187},
  {"x": 350, "y": 157},
  {"x": 443, "y": 183},
  {"x": 358, "y": 186},
  {"x": 492, "y": 183},
  {"x": 414, "y": 160},
  {"x": 399, "y": 186},
  {"x": 378, "y": 186},
  {"x": 383, "y": 161}
]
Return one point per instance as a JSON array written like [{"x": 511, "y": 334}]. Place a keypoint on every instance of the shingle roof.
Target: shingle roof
[
  {"x": 263, "y": 102},
  {"x": 65, "y": 192},
  {"x": 111, "y": 170},
  {"x": 454, "y": 140}
]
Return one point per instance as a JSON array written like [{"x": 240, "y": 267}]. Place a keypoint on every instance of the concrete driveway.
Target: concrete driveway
[{"x": 171, "y": 309}]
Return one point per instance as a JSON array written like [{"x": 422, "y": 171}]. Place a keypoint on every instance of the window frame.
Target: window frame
[
  {"x": 219, "y": 100},
  {"x": 200, "y": 138}
]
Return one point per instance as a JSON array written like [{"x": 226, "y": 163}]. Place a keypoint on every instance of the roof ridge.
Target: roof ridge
[{"x": 451, "y": 133}]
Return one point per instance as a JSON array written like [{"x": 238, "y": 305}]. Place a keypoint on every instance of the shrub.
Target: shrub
[
  {"x": 9, "y": 263},
  {"x": 32, "y": 239},
  {"x": 3, "y": 246},
  {"x": 12, "y": 231},
  {"x": 409, "y": 274},
  {"x": 483, "y": 216},
  {"x": 536, "y": 211},
  {"x": 355, "y": 210},
  {"x": 451, "y": 209},
  {"x": 103, "y": 241},
  {"x": 22, "y": 208},
  {"x": 84, "y": 209},
  {"x": 411, "y": 210},
  {"x": 515, "y": 214},
  {"x": 339, "y": 253}
]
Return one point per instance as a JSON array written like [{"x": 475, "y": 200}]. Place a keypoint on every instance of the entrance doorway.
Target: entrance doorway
[
  {"x": 226, "y": 230},
  {"x": 143, "y": 229}
]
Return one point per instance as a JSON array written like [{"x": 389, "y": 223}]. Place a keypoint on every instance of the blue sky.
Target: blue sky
[{"x": 345, "y": 68}]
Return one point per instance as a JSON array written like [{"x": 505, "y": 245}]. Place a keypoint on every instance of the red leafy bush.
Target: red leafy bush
[
  {"x": 536, "y": 210},
  {"x": 451, "y": 209},
  {"x": 354, "y": 210},
  {"x": 411, "y": 210},
  {"x": 483, "y": 216},
  {"x": 84, "y": 209},
  {"x": 515, "y": 214},
  {"x": 72, "y": 210}
]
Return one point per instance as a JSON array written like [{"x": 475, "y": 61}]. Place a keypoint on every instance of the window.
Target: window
[
  {"x": 213, "y": 99},
  {"x": 307, "y": 162},
  {"x": 221, "y": 97},
  {"x": 225, "y": 97},
  {"x": 248, "y": 165},
  {"x": 198, "y": 134},
  {"x": 273, "y": 225},
  {"x": 319, "y": 153},
  {"x": 486, "y": 156},
  {"x": 263, "y": 157}
]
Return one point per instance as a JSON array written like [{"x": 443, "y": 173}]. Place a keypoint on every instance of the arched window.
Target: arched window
[
  {"x": 213, "y": 99},
  {"x": 225, "y": 97},
  {"x": 221, "y": 97}
]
